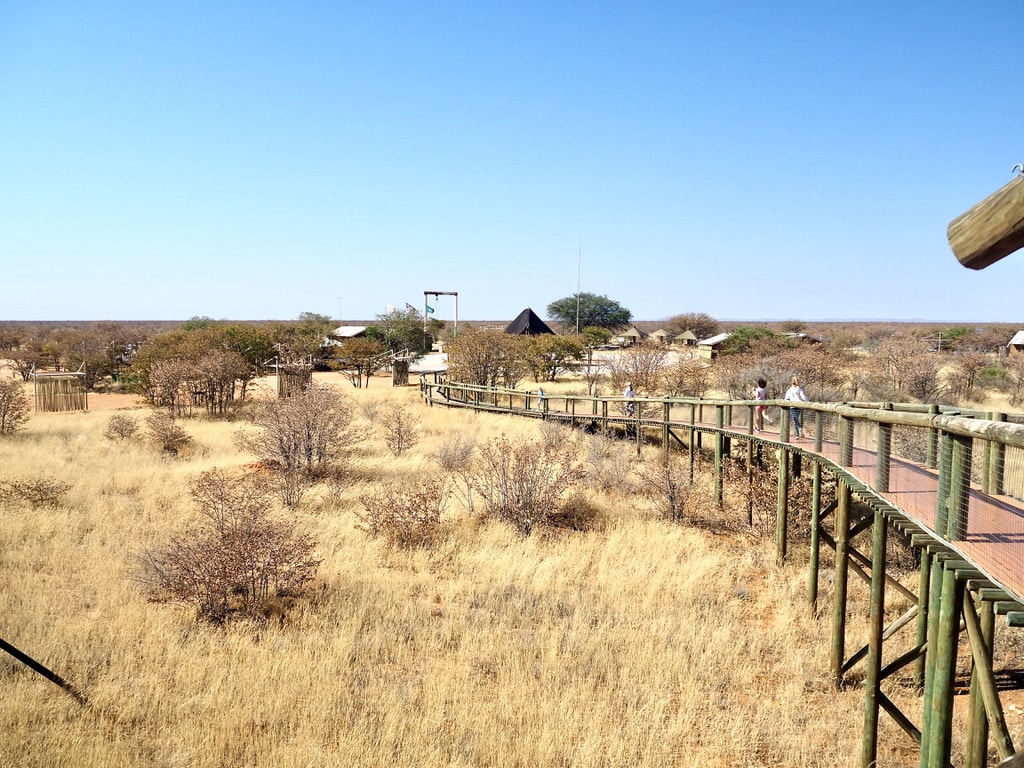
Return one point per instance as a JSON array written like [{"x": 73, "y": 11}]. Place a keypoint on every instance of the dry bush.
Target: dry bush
[
  {"x": 401, "y": 428},
  {"x": 305, "y": 430},
  {"x": 666, "y": 481},
  {"x": 578, "y": 512},
  {"x": 14, "y": 406},
  {"x": 408, "y": 514},
  {"x": 238, "y": 557},
  {"x": 455, "y": 457},
  {"x": 301, "y": 437},
  {"x": 522, "y": 481},
  {"x": 609, "y": 461},
  {"x": 166, "y": 433},
  {"x": 36, "y": 492},
  {"x": 120, "y": 426}
]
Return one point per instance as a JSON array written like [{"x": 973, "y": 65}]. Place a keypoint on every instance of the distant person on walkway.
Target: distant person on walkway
[
  {"x": 630, "y": 407},
  {"x": 760, "y": 393},
  {"x": 540, "y": 399},
  {"x": 795, "y": 394}
]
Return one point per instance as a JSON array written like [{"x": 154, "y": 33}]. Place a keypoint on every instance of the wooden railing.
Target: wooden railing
[{"x": 949, "y": 481}]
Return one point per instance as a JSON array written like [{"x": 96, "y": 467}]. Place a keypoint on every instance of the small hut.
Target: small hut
[
  {"x": 527, "y": 323},
  {"x": 1016, "y": 345},
  {"x": 631, "y": 335},
  {"x": 686, "y": 338},
  {"x": 661, "y": 336},
  {"x": 708, "y": 348}
]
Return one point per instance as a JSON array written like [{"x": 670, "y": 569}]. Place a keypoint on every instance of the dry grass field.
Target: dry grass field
[{"x": 641, "y": 643}]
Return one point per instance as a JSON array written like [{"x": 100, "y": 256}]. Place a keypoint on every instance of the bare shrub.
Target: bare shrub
[
  {"x": 238, "y": 559},
  {"x": 406, "y": 515},
  {"x": 455, "y": 457},
  {"x": 307, "y": 429},
  {"x": 301, "y": 437},
  {"x": 401, "y": 428},
  {"x": 666, "y": 482},
  {"x": 578, "y": 512},
  {"x": 36, "y": 492},
  {"x": 120, "y": 426},
  {"x": 522, "y": 482},
  {"x": 166, "y": 433},
  {"x": 14, "y": 406},
  {"x": 610, "y": 462}
]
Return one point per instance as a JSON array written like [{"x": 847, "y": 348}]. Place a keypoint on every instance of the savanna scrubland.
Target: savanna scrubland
[{"x": 620, "y": 634}]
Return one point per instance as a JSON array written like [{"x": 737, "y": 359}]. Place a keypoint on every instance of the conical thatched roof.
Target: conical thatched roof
[{"x": 529, "y": 324}]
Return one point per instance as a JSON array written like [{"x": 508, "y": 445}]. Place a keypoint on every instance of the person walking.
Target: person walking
[
  {"x": 796, "y": 394},
  {"x": 630, "y": 407},
  {"x": 540, "y": 399},
  {"x": 760, "y": 394}
]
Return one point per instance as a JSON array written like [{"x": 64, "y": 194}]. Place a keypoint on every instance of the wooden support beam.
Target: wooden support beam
[
  {"x": 981, "y": 654},
  {"x": 901, "y": 720},
  {"x": 889, "y": 631},
  {"x": 991, "y": 229}
]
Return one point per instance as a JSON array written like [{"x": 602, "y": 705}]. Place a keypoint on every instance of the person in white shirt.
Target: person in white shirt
[{"x": 796, "y": 393}]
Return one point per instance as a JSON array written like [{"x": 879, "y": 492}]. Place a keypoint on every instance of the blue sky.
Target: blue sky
[{"x": 751, "y": 160}]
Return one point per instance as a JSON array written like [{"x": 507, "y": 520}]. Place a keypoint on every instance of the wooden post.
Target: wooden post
[
  {"x": 943, "y": 485},
  {"x": 991, "y": 229},
  {"x": 812, "y": 575},
  {"x": 842, "y": 536},
  {"x": 882, "y": 454},
  {"x": 995, "y": 462},
  {"x": 931, "y": 455},
  {"x": 719, "y": 455},
  {"x": 921, "y": 635},
  {"x": 845, "y": 441},
  {"x": 940, "y": 724},
  {"x": 872, "y": 677},
  {"x": 959, "y": 488},
  {"x": 931, "y": 656},
  {"x": 782, "y": 506},
  {"x": 666, "y": 418}
]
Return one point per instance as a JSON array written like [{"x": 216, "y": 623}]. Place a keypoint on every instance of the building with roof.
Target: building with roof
[
  {"x": 527, "y": 323},
  {"x": 1016, "y": 345},
  {"x": 708, "y": 348}
]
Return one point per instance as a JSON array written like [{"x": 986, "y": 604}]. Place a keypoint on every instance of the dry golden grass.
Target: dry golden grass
[{"x": 642, "y": 644}]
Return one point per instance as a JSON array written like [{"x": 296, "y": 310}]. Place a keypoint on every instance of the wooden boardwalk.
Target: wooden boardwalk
[{"x": 994, "y": 539}]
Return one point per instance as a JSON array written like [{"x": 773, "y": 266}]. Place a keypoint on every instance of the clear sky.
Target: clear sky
[{"x": 751, "y": 160}]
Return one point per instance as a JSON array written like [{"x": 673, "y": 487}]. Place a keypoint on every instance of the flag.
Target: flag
[
  {"x": 430, "y": 310},
  {"x": 409, "y": 307}
]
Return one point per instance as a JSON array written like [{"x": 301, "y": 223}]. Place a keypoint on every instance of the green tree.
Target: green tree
[
  {"x": 741, "y": 339},
  {"x": 551, "y": 354},
  {"x": 592, "y": 310},
  {"x": 400, "y": 331}
]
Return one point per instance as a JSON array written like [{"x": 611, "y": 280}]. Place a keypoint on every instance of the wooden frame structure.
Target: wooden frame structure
[{"x": 59, "y": 391}]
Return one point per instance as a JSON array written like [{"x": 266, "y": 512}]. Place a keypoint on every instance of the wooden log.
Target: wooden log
[{"x": 992, "y": 229}]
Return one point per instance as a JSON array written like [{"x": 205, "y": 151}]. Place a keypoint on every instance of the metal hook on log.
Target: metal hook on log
[{"x": 1018, "y": 168}]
